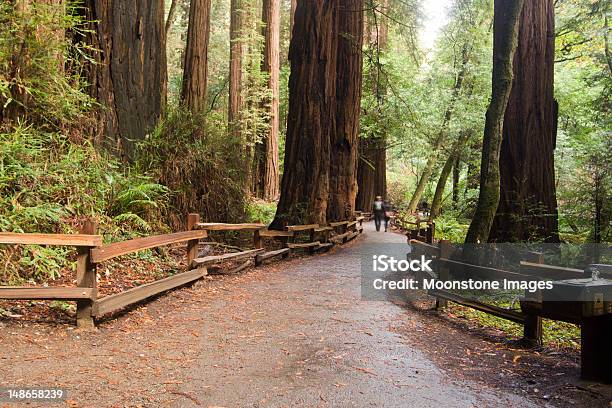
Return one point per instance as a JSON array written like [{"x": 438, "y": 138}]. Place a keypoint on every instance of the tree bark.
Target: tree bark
[
  {"x": 195, "y": 73},
  {"x": 292, "y": 16},
  {"x": 170, "y": 18},
  {"x": 345, "y": 140},
  {"x": 372, "y": 164},
  {"x": 505, "y": 40},
  {"x": 269, "y": 176},
  {"x": 456, "y": 176},
  {"x": 528, "y": 203},
  {"x": 235, "y": 68},
  {"x": 129, "y": 77},
  {"x": 436, "y": 203},
  {"x": 311, "y": 120}
]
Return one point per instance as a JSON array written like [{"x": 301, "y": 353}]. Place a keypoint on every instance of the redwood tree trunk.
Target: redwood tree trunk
[
  {"x": 269, "y": 176},
  {"x": 129, "y": 78},
  {"x": 195, "y": 73},
  {"x": 528, "y": 203},
  {"x": 344, "y": 143},
  {"x": 366, "y": 174},
  {"x": 372, "y": 164},
  {"x": 505, "y": 40},
  {"x": 235, "y": 68},
  {"x": 312, "y": 114}
]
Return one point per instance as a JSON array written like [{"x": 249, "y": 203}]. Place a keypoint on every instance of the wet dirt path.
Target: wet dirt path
[{"x": 289, "y": 334}]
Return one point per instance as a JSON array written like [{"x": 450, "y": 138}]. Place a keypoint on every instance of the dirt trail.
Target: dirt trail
[{"x": 293, "y": 333}]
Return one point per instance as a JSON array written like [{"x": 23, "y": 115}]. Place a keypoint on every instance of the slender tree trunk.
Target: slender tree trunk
[
  {"x": 345, "y": 141},
  {"x": 456, "y": 176},
  {"x": 311, "y": 121},
  {"x": 129, "y": 77},
  {"x": 528, "y": 203},
  {"x": 442, "y": 134},
  {"x": 235, "y": 70},
  {"x": 505, "y": 41},
  {"x": 292, "y": 16},
  {"x": 269, "y": 175},
  {"x": 195, "y": 73},
  {"x": 170, "y": 18},
  {"x": 366, "y": 173},
  {"x": 436, "y": 203}
]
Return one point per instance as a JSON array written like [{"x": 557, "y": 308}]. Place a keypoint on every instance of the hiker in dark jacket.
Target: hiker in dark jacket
[
  {"x": 378, "y": 211},
  {"x": 388, "y": 212}
]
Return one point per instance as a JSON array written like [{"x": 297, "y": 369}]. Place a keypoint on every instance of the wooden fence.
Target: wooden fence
[
  {"x": 91, "y": 253},
  {"x": 596, "y": 327}
]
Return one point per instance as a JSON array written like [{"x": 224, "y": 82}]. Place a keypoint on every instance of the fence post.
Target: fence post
[
  {"x": 532, "y": 329},
  {"x": 444, "y": 251},
  {"x": 86, "y": 278},
  {"x": 192, "y": 245},
  {"x": 431, "y": 232},
  {"x": 257, "y": 243}
]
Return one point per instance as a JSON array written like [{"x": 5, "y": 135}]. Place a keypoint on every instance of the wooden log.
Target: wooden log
[
  {"x": 543, "y": 271},
  {"x": 27, "y": 293},
  {"x": 532, "y": 329},
  {"x": 476, "y": 271},
  {"x": 298, "y": 228},
  {"x": 135, "y": 245},
  {"x": 134, "y": 295},
  {"x": 77, "y": 240},
  {"x": 213, "y": 259},
  {"x": 340, "y": 238},
  {"x": 192, "y": 245},
  {"x": 338, "y": 224},
  {"x": 511, "y": 315},
  {"x": 271, "y": 254},
  {"x": 444, "y": 251},
  {"x": 257, "y": 242},
  {"x": 325, "y": 245},
  {"x": 219, "y": 226},
  {"x": 304, "y": 245},
  {"x": 352, "y": 235},
  {"x": 86, "y": 278},
  {"x": 275, "y": 234},
  {"x": 323, "y": 229}
]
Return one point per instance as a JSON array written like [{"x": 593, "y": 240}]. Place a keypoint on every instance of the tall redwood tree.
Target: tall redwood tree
[
  {"x": 312, "y": 114},
  {"x": 195, "y": 73},
  {"x": 268, "y": 177},
  {"x": 129, "y": 78},
  {"x": 528, "y": 203},
  {"x": 345, "y": 141}
]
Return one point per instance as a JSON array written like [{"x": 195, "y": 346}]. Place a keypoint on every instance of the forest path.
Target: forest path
[{"x": 294, "y": 333}]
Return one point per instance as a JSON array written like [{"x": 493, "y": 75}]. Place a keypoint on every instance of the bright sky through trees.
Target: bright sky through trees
[{"x": 435, "y": 17}]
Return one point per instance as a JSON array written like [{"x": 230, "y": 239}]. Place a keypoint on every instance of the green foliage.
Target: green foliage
[
  {"x": 199, "y": 163},
  {"x": 48, "y": 184},
  {"x": 39, "y": 78},
  {"x": 260, "y": 211},
  {"x": 447, "y": 227}
]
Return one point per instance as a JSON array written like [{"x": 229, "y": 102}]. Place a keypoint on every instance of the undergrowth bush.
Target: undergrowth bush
[
  {"x": 49, "y": 185},
  {"x": 200, "y": 163}
]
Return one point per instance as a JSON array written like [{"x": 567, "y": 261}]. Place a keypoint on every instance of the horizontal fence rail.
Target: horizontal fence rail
[{"x": 92, "y": 252}]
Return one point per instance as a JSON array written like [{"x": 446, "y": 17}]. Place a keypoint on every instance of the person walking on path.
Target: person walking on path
[
  {"x": 388, "y": 211},
  {"x": 378, "y": 210}
]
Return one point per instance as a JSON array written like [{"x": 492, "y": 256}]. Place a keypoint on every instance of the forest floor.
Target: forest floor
[{"x": 294, "y": 333}]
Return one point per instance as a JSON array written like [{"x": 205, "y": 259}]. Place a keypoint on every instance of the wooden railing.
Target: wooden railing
[
  {"x": 596, "y": 354},
  {"x": 91, "y": 253}
]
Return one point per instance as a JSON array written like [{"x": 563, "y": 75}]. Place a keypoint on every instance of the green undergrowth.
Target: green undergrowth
[
  {"x": 49, "y": 184},
  {"x": 555, "y": 334}
]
